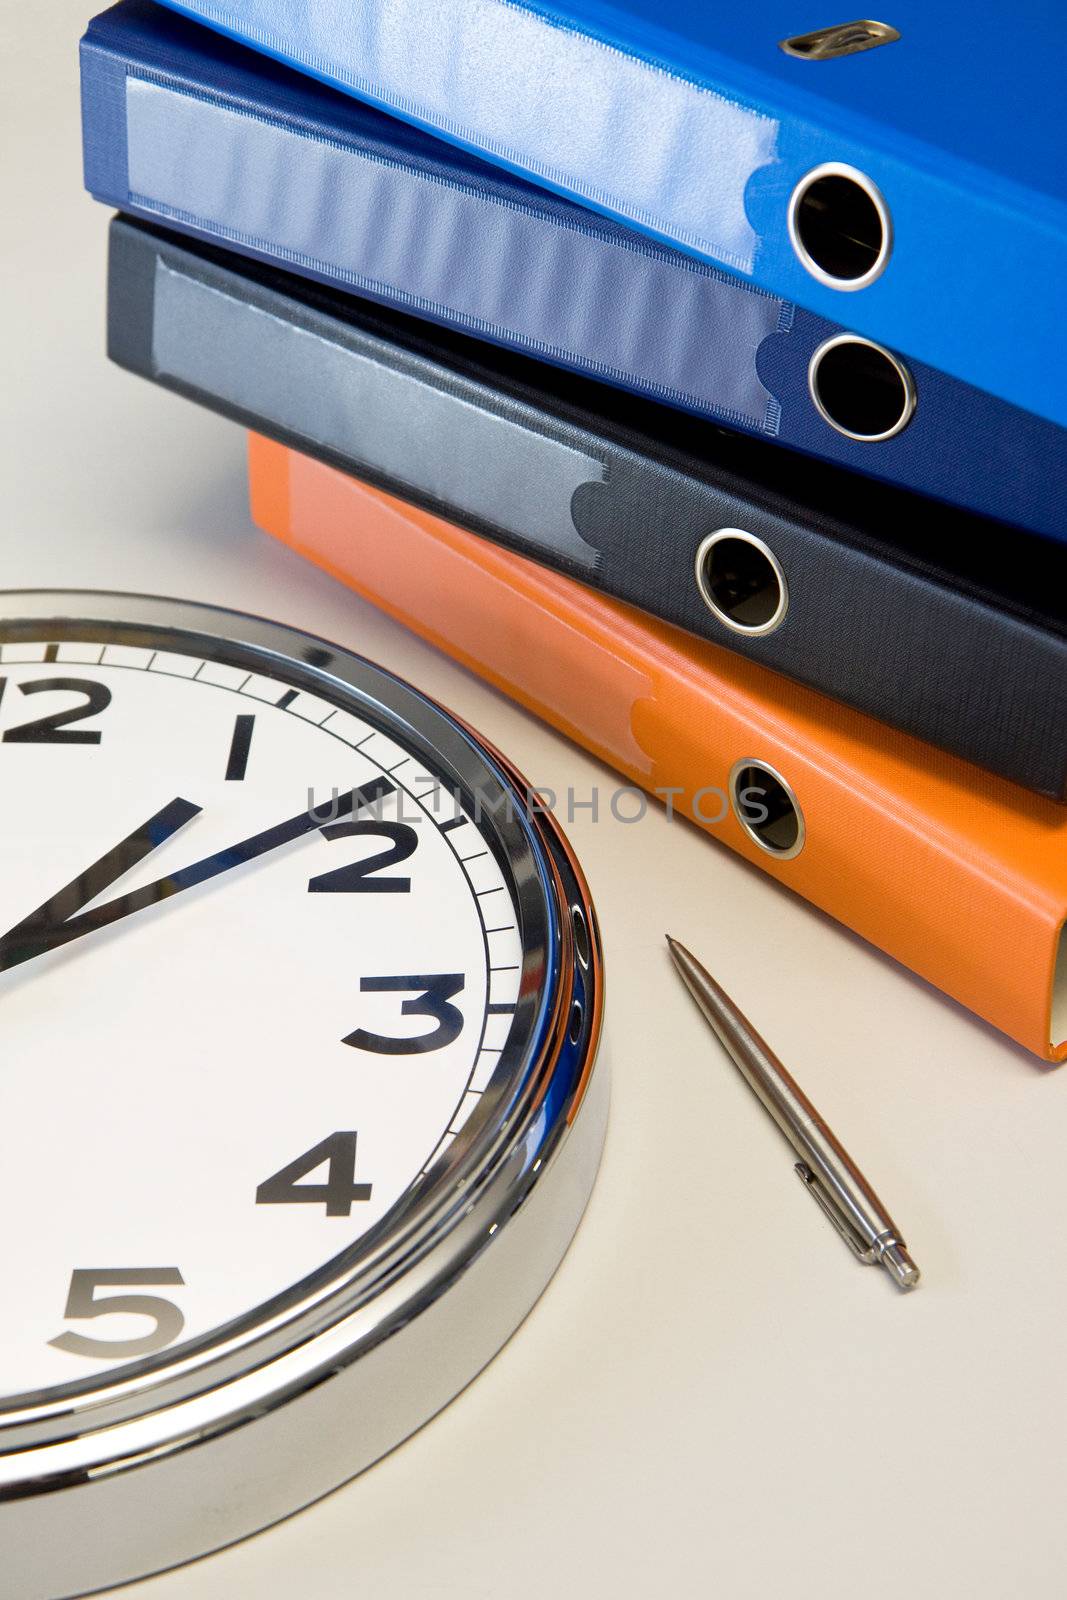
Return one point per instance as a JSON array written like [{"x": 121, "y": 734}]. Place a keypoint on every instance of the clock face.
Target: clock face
[{"x": 234, "y": 1034}]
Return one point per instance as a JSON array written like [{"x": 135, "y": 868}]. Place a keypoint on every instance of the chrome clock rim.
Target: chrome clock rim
[{"x": 530, "y": 1154}]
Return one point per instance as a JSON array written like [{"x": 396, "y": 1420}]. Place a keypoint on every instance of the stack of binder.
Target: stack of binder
[{"x": 702, "y": 387}]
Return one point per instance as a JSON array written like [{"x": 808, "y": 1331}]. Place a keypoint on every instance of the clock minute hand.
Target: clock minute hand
[{"x": 55, "y": 924}]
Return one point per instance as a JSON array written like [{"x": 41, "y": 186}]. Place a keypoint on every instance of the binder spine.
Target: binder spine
[
  {"x": 188, "y": 129},
  {"x": 445, "y": 238},
  {"x": 905, "y": 641},
  {"x": 673, "y": 140},
  {"x": 960, "y": 877}
]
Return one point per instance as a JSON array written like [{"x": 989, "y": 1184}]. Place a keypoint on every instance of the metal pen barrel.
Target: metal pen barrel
[{"x": 825, "y": 1167}]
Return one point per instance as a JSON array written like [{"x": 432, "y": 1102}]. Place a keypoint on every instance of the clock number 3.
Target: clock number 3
[
  {"x": 83, "y": 1302},
  {"x": 432, "y": 999}
]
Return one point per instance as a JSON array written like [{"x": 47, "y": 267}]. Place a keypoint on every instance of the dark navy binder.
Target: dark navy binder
[
  {"x": 939, "y": 622},
  {"x": 189, "y": 128}
]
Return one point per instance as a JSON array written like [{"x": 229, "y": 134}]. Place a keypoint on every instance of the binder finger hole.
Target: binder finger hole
[
  {"x": 741, "y": 581},
  {"x": 581, "y": 935},
  {"x": 860, "y": 389},
  {"x": 767, "y": 808},
  {"x": 577, "y": 1018},
  {"x": 839, "y": 226}
]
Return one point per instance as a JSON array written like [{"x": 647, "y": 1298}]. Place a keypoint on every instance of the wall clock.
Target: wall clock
[{"x": 299, "y": 1007}]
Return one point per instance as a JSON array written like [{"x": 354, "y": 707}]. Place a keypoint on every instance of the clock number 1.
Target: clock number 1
[
  {"x": 240, "y": 745},
  {"x": 83, "y": 1302}
]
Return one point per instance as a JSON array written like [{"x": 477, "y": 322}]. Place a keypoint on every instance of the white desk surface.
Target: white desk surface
[{"x": 711, "y": 1397}]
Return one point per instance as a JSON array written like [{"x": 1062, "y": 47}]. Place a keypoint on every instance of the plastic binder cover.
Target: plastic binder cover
[
  {"x": 691, "y": 123},
  {"x": 186, "y": 127},
  {"x": 947, "y": 625},
  {"x": 961, "y": 877}
]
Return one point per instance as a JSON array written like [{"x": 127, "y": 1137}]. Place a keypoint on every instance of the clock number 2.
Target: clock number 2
[
  {"x": 53, "y": 729},
  {"x": 433, "y": 999},
  {"x": 358, "y": 877},
  {"x": 83, "y": 1302}
]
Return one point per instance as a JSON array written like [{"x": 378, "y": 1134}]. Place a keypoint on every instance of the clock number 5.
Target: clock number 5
[
  {"x": 83, "y": 1302},
  {"x": 433, "y": 999}
]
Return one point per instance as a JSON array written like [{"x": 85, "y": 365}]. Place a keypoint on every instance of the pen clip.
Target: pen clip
[{"x": 862, "y": 1252}]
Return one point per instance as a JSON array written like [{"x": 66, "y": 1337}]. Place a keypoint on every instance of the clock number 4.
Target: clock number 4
[
  {"x": 338, "y": 1194},
  {"x": 83, "y": 1303},
  {"x": 53, "y": 729},
  {"x": 432, "y": 999}
]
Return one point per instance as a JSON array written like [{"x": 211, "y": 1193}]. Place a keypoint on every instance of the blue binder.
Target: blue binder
[
  {"x": 184, "y": 126},
  {"x": 692, "y": 123},
  {"x": 941, "y": 623}
]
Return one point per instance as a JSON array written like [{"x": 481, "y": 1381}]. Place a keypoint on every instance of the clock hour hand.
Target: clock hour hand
[
  {"x": 48, "y": 926},
  {"x": 55, "y": 923}
]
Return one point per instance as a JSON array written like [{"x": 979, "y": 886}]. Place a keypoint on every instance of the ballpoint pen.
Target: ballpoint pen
[{"x": 824, "y": 1167}]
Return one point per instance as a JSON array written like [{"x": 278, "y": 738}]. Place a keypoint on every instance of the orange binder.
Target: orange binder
[{"x": 959, "y": 875}]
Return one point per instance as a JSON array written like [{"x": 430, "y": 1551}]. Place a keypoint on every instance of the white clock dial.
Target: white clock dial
[
  {"x": 210, "y": 1096},
  {"x": 300, "y": 1001}
]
